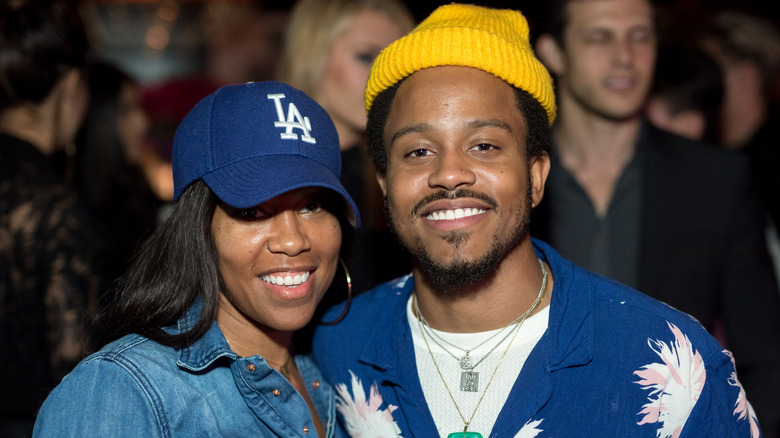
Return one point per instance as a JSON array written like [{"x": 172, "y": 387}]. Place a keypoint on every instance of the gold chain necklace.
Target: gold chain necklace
[
  {"x": 284, "y": 367},
  {"x": 466, "y": 433}
]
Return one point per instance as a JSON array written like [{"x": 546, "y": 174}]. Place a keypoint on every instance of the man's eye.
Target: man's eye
[
  {"x": 642, "y": 37},
  {"x": 483, "y": 147},
  {"x": 597, "y": 38},
  {"x": 417, "y": 153}
]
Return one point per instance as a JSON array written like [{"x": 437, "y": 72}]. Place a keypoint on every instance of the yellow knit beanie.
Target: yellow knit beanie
[{"x": 492, "y": 40}]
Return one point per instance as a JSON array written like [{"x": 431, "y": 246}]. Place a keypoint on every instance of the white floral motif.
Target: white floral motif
[
  {"x": 742, "y": 408},
  {"x": 675, "y": 384},
  {"x": 364, "y": 419},
  {"x": 529, "y": 430}
]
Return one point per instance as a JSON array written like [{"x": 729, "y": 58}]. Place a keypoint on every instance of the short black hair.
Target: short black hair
[
  {"x": 555, "y": 17},
  {"x": 538, "y": 140}
]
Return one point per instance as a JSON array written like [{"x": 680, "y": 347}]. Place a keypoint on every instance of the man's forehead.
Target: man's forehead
[
  {"x": 452, "y": 79},
  {"x": 436, "y": 96},
  {"x": 446, "y": 86},
  {"x": 608, "y": 14}
]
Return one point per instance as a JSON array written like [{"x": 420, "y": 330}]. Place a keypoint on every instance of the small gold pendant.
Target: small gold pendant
[{"x": 465, "y": 434}]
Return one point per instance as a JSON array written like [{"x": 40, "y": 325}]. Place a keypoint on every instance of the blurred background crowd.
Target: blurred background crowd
[{"x": 98, "y": 171}]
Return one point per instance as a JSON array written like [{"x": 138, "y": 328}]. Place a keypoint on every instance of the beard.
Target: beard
[{"x": 459, "y": 272}]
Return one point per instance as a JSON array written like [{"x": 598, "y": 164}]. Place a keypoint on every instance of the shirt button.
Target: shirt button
[
  {"x": 316, "y": 384},
  {"x": 276, "y": 392},
  {"x": 305, "y": 429},
  {"x": 250, "y": 367}
]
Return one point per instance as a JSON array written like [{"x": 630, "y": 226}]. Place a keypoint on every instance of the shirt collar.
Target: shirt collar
[
  {"x": 568, "y": 341},
  {"x": 205, "y": 351}
]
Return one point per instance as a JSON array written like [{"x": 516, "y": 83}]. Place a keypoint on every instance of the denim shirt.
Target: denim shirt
[{"x": 135, "y": 387}]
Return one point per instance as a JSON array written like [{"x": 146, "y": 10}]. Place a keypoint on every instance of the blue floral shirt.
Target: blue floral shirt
[
  {"x": 135, "y": 387},
  {"x": 612, "y": 363}
]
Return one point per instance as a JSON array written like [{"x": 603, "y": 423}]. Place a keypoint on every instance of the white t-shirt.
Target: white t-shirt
[{"x": 442, "y": 408}]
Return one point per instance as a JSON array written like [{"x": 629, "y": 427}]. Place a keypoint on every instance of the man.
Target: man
[
  {"x": 493, "y": 333},
  {"x": 673, "y": 218},
  {"x": 49, "y": 273}
]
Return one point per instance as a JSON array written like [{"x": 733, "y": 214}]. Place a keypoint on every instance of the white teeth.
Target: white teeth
[
  {"x": 458, "y": 213},
  {"x": 286, "y": 280}
]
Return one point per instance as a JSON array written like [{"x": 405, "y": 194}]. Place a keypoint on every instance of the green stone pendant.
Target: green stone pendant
[{"x": 465, "y": 435}]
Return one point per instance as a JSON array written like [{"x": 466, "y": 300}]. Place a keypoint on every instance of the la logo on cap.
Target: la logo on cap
[{"x": 294, "y": 121}]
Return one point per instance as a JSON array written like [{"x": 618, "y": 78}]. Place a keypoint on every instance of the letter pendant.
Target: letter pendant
[{"x": 469, "y": 381}]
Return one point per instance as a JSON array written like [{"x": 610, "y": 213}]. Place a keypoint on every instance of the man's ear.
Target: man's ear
[
  {"x": 550, "y": 53},
  {"x": 381, "y": 178},
  {"x": 539, "y": 168}
]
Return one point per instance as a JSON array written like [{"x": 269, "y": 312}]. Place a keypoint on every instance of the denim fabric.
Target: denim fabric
[{"x": 135, "y": 387}]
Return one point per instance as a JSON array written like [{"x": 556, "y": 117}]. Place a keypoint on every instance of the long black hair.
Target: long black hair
[
  {"x": 173, "y": 268},
  {"x": 40, "y": 41},
  {"x": 113, "y": 187}
]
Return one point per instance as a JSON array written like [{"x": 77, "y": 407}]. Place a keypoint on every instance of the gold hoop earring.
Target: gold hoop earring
[{"x": 349, "y": 295}]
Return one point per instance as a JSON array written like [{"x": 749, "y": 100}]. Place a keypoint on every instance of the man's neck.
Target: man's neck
[
  {"x": 590, "y": 139},
  {"x": 491, "y": 303},
  {"x": 595, "y": 150}
]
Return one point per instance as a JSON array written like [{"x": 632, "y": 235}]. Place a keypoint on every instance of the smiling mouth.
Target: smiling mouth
[
  {"x": 286, "y": 280},
  {"x": 620, "y": 83},
  {"x": 458, "y": 213}
]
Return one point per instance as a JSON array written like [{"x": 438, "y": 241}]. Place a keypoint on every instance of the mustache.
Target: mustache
[{"x": 457, "y": 194}]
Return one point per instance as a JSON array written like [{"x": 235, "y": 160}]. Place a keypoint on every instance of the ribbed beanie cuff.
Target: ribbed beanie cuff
[{"x": 492, "y": 40}]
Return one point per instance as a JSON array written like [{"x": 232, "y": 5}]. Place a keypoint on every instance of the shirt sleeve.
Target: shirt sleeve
[
  {"x": 722, "y": 408},
  {"x": 100, "y": 398}
]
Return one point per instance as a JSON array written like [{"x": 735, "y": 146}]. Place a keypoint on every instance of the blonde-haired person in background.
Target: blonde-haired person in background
[{"x": 328, "y": 51}]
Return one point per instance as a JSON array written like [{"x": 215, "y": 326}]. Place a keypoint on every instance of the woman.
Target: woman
[
  {"x": 106, "y": 166},
  {"x": 328, "y": 51},
  {"x": 200, "y": 333},
  {"x": 50, "y": 273},
  {"x": 329, "y": 48}
]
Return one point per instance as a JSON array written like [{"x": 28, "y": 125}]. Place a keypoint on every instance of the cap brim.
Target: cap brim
[{"x": 252, "y": 181}]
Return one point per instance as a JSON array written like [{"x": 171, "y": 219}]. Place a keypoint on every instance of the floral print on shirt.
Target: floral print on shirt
[
  {"x": 675, "y": 384},
  {"x": 742, "y": 408},
  {"x": 363, "y": 418},
  {"x": 529, "y": 429}
]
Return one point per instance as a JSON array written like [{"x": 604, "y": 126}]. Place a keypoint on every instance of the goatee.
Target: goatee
[{"x": 459, "y": 273}]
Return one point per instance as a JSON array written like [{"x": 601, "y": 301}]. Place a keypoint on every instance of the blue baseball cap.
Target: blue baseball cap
[{"x": 254, "y": 141}]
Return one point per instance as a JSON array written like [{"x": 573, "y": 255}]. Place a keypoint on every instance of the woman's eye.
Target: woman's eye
[
  {"x": 251, "y": 213},
  {"x": 365, "y": 58},
  {"x": 313, "y": 206}
]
